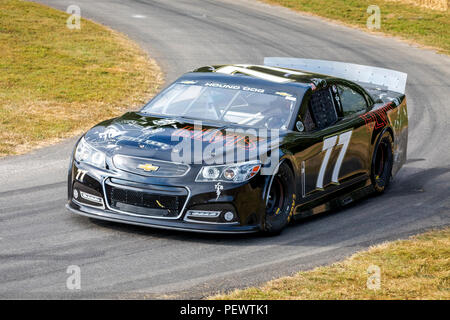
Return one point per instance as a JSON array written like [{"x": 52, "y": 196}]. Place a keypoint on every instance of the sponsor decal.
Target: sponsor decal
[
  {"x": 148, "y": 167},
  {"x": 91, "y": 197},
  {"x": 291, "y": 213},
  {"x": 284, "y": 94},
  {"x": 226, "y": 146},
  {"x": 163, "y": 122},
  {"x": 110, "y": 133},
  {"x": 217, "y": 136},
  {"x": 378, "y": 118},
  {"x": 233, "y": 87},
  {"x": 152, "y": 131},
  {"x": 188, "y": 82},
  {"x": 161, "y": 145},
  {"x": 80, "y": 175},
  {"x": 287, "y": 95},
  {"x": 218, "y": 187},
  {"x": 159, "y": 204}
]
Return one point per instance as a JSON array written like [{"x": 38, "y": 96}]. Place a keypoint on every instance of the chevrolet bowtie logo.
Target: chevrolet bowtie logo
[{"x": 148, "y": 167}]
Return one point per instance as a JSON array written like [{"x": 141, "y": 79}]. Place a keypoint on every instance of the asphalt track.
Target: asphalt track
[{"x": 39, "y": 239}]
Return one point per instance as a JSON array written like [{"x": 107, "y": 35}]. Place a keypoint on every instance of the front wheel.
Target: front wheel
[
  {"x": 280, "y": 200},
  {"x": 382, "y": 162}
]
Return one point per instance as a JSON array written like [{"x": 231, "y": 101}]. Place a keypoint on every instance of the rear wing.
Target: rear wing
[{"x": 385, "y": 79}]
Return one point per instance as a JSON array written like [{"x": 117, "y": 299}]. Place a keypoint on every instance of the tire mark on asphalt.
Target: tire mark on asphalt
[{"x": 44, "y": 187}]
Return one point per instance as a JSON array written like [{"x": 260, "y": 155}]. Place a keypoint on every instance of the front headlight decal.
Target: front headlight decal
[
  {"x": 236, "y": 173},
  {"x": 88, "y": 154}
]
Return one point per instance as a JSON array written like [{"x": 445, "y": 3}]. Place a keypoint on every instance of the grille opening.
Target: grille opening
[{"x": 144, "y": 202}]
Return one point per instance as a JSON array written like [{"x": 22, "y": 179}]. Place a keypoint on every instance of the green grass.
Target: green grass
[
  {"x": 416, "y": 268},
  {"x": 56, "y": 82},
  {"x": 424, "y": 26}
]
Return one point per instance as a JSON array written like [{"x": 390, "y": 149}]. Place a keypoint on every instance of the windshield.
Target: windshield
[{"x": 232, "y": 103}]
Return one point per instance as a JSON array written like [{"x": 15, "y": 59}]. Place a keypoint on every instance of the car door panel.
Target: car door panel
[{"x": 336, "y": 154}]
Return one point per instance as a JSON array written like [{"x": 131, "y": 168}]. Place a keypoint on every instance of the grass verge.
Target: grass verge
[
  {"x": 420, "y": 25},
  {"x": 416, "y": 268},
  {"x": 56, "y": 82}
]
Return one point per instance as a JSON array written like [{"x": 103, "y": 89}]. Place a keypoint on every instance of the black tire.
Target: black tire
[
  {"x": 281, "y": 200},
  {"x": 382, "y": 162}
]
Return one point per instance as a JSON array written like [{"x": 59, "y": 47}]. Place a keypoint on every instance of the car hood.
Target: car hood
[{"x": 169, "y": 139}]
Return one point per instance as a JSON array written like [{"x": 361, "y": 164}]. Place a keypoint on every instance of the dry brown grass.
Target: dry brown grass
[
  {"x": 441, "y": 5},
  {"x": 56, "y": 82},
  {"x": 417, "y": 268}
]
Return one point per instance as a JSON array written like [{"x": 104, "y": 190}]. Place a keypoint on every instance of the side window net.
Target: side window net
[
  {"x": 322, "y": 108},
  {"x": 308, "y": 121}
]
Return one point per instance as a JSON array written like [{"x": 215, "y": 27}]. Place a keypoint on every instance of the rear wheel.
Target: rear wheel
[
  {"x": 280, "y": 201},
  {"x": 382, "y": 162}
]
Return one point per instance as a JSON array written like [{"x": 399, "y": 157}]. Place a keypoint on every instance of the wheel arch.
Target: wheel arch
[
  {"x": 376, "y": 138},
  {"x": 268, "y": 183},
  {"x": 382, "y": 134}
]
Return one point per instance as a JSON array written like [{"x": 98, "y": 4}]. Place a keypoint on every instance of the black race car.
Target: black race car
[{"x": 244, "y": 148}]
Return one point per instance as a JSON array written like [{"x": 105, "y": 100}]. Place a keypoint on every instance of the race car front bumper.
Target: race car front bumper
[
  {"x": 159, "y": 224},
  {"x": 123, "y": 197}
]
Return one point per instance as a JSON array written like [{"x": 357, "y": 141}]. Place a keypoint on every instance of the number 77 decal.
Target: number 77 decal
[{"x": 328, "y": 145}]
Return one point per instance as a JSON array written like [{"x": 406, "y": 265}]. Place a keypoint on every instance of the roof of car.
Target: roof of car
[{"x": 272, "y": 74}]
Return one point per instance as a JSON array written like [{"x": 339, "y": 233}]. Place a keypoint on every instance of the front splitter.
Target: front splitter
[{"x": 162, "y": 224}]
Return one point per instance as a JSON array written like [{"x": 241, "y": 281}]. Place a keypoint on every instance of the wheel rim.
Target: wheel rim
[
  {"x": 381, "y": 165},
  {"x": 276, "y": 197}
]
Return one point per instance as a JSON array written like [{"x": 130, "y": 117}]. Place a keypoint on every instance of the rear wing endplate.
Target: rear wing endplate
[{"x": 384, "y": 78}]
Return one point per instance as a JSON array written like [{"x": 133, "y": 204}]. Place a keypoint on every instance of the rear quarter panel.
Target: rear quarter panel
[
  {"x": 398, "y": 119},
  {"x": 392, "y": 116}
]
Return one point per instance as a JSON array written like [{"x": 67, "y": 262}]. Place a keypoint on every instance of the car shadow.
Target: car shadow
[{"x": 410, "y": 198}]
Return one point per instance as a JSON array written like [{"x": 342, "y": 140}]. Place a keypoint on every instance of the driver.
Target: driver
[{"x": 277, "y": 114}]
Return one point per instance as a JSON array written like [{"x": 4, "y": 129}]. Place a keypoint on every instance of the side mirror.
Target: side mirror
[{"x": 300, "y": 126}]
